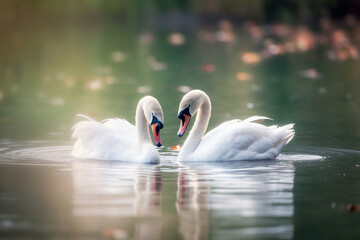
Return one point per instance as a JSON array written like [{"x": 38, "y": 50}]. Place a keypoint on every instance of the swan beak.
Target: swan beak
[
  {"x": 184, "y": 122},
  {"x": 156, "y": 132}
]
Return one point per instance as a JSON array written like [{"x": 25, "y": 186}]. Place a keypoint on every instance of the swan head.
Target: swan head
[
  {"x": 189, "y": 105},
  {"x": 154, "y": 116}
]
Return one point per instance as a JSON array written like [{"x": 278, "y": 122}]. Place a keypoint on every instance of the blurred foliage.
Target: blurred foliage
[
  {"x": 97, "y": 57},
  {"x": 88, "y": 11}
]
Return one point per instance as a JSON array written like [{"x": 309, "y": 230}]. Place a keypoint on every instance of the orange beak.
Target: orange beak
[
  {"x": 184, "y": 122},
  {"x": 156, "y": 133}
]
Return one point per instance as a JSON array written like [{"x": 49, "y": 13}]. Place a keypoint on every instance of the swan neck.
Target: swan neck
[
  {"x": 142, "y": 129},
  {"x": 200, "y": 126}
]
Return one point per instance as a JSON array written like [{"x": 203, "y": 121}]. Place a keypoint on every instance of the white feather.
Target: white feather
[
  {"x": 111, "y": 140},
  {"x": 232, "y": 140},
  {"x": 114, "y": 138},
  {"x": 243, "y": 141}
]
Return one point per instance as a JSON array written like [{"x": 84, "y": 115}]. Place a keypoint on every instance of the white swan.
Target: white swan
[
  {"x": 117, "y": 139},
  {"x": 232, "y": 140}
]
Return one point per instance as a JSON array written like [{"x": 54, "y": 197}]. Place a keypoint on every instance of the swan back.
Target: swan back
[
  {"x": 117, "y": 139},
  {"x": 105, "y": 140},
  {"x": 242, "y": 140}
]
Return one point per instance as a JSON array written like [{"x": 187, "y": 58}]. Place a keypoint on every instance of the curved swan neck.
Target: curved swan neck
[
  {"x": 142, "y": 129},
  {"x": 200, "y": 125}
]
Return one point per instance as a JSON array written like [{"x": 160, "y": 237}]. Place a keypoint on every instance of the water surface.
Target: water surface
[{"x": 49, "y": 75}]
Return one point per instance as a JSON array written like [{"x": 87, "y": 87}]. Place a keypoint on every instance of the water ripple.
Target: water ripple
[{"x": 32, "y": 153}]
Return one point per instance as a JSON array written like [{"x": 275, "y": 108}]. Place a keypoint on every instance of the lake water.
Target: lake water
[{"x": 48, "y": 75}]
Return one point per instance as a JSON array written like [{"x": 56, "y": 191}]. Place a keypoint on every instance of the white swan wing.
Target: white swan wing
[
  {"x": 257, "y": 119},
  {"x": 111, "y": 139},
  {"x": 243, "y": 140},
  {"x": 229, "y": 123}
]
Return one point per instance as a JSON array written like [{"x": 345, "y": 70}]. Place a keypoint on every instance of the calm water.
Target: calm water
[{"x": 48, "y": 75}]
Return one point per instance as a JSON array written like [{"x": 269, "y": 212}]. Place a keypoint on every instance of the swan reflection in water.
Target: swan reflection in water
[
  {"x": 193, "y": 204},
  {"x": 117, "y": 198},
  {"x": 248, "y": 199}
]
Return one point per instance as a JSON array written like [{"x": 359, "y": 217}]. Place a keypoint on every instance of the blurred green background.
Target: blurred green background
[{"x": 294, "y": 61}]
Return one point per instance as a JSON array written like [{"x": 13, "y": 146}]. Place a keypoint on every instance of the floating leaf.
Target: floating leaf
[
  {"x": 176, "y": 39},
  {"x": 208, "y": 67},
  {"x": 353, "y": 207},
  {"x": 57, "y": 101},
  {"x": 250, "y": 58},
  {"x": 183, "y": 89},
  {"x": 144, "y": 89},
  {"x": 95, "y": 84},
  {"x": 118, "y": 56},
  {"x": 176, "y": 147},
  {"x": 243, "y": 76}
]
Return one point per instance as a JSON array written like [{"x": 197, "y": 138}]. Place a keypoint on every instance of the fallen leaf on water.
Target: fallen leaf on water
[
  {"x": 95, "y": 84},
  {"x": 250, "y": 58},
  {"x": 118, "y": 56},
  {"x": 275, "y": 49},
  {"x": 353, "y": 52},
  {"x": 310, "y": 73},
  {"x": 143, "y": 89},
  {"x": 176, "y": 147},
  {"x": 250, "y": 105},
  {"x": 114, "y": 233},
  {"x": 353, "y": 207},
  {"x": 176, "y": 39},
  {"x": 243, "y": 76},
  {"x": 208, "y": 67},
  {"x": 226, "y": 33},
  {"x": 339, "y": 38},
  {"x": 57, "y": 101},
  {"x": 304, "y": 39},
  {"x": 182, "y": 88}
]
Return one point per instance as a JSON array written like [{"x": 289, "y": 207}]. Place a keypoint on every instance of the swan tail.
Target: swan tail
[
  {"x": 289, "y": 133},
  {"x": 286, "y": 134}
]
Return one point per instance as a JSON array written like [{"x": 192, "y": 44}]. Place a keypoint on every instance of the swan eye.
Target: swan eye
[
  {"x": 185, "y": 111},
  {"x": 155, "y": 120}
]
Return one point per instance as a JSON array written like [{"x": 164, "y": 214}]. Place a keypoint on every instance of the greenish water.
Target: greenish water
[{"x": 48, "y": 75}]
